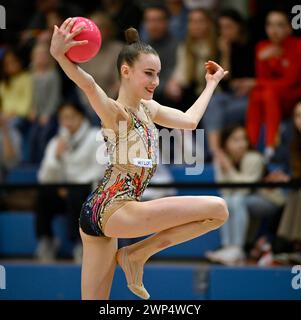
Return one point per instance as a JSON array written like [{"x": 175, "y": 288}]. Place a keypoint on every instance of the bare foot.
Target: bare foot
[{"x": 133, "y": 271}]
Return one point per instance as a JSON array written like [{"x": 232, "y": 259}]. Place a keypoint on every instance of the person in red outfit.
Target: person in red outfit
[{"x": 278, "y": 80}]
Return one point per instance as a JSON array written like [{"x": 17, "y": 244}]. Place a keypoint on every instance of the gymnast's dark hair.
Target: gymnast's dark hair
[{"x": 133, "y": 48}]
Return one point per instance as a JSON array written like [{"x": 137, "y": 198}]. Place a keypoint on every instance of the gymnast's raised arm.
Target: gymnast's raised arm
[
  {"x": 62, "y": 40},
  {"x": 174, "y": 118}
]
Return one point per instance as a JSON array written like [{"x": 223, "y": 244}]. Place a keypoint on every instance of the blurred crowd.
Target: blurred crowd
[{"x": 252, "y": 124}]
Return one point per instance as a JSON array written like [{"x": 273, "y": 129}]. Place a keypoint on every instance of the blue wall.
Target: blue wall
[{"x": 162, "y": 280}]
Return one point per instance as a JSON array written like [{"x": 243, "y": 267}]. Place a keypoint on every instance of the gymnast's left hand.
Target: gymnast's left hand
[{"x": 215, "y": 72}]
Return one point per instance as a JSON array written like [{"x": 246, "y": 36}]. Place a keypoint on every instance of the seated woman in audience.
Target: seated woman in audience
[
  {"x": 278, "y": 81},
  {"x": 46, "y": 83},
  {"x": 236, "y": 54},
  {"x": 10, "y": 153},
  {"x": 236, "y": 162},
  {"x": 16, "y": 90},
  {"x": 10, "y": 147},
  {"x": 188, "y": 79},
  {"x": 289, "y": 230}
]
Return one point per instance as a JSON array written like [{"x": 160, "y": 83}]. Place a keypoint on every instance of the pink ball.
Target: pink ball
[{"x": 84, "y": 53}]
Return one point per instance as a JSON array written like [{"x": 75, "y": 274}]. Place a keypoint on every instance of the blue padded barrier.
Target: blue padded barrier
[
  {"x": 17, "y": 238},
  {"x": 252, "y": 283},
  {"x": 178, "y": 173},
  {"x": 62, "y": 281},
  {"x": 24, "y": 174},
  {"x": 162, "y": 280}
]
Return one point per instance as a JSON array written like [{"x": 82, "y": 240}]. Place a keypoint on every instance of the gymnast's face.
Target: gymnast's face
[
  {"x": 143, "y": 76},
  {"x": 297, "y": 117},
  {"x": 237, "y": 144}
]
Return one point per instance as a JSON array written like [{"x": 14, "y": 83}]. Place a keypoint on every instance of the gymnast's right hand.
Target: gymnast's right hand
[{"x": 62, "y": 38}]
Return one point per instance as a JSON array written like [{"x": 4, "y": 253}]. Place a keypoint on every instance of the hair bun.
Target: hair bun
[{"x": 131, "y": 35}]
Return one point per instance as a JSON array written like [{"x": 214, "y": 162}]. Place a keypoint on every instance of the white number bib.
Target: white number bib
[{"x": 148, "y": 163}]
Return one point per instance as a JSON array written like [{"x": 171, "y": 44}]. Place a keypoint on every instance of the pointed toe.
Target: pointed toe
[{"x": 139, "y": 291}]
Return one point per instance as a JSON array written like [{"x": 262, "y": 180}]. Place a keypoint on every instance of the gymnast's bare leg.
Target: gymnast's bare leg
[
  {"x": 98, "y": 266},
  {"x": 173, "y": 220}
]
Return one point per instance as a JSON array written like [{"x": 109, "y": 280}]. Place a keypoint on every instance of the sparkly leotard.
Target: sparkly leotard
[{"x": 123, "y": 181}]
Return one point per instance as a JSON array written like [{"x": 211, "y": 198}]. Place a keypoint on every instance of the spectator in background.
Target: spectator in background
[
  {"x": 236, "y": 54},
  {"x": 38, "y": 19},
  {"x": 10, "y": 154},
  {"x": 289, "y": 231},
  {"x": 46, "y": 83},
  {"x": 236, "y": 162},
  {"x": 188, "y": 79},
  {"x": 10, "y": 147},
  {"x": 156, "y": 21},
  {"x": 124, "y": 14},
  {"x": 70, "y": 157},
  {"x": 47, "y": 11},
  {"x": 16, "y": 91},
  {"x": 178, "y": 18},
  {"x": 258, "y": 11},
  {"x": 278, "y": 81},
  {"x": 177, "y": 22},
  {"x": 55, "y": 16},
  {"x": 107, "y": 75},
  {"x": 40, "y": 28}
]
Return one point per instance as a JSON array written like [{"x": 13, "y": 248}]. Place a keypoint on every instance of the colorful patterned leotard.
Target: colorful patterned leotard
[{"x": 127, "y": 174}]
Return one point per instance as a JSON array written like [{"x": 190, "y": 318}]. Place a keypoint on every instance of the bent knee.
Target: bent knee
[{"x": 221, "y": 212}]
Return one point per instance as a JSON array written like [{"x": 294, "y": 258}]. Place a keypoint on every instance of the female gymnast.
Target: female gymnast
[{"x": 114, "y": 210}]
